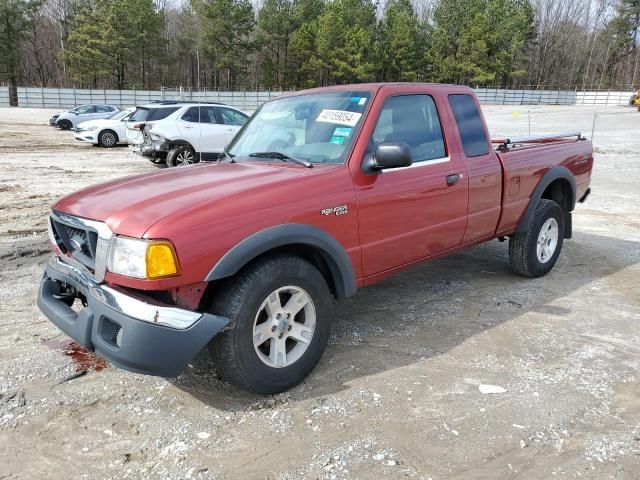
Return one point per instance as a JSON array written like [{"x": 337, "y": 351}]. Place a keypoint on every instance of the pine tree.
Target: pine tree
[
  {"x": 480, "y": 41},
  {"x": 345, "y": 41},
  {"x": 113, "y": 38},
  {"x": 401, "y": 43},
  {"x": 227, "y": 38},
  {"x": 15, "y": 18}
]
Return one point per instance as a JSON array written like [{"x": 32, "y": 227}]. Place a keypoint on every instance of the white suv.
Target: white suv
[{"x": 182, "y": 133}]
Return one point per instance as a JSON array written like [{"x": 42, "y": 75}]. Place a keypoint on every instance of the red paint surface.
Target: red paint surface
[{"x": 394, "y": 219}]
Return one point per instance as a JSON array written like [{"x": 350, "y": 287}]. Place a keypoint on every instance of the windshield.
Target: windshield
[
  {"x": 119, "y": 115},
  {"x": 317, "y": 127}
]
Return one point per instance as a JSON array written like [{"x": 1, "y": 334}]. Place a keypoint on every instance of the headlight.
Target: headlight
[{"x": 137, "y": 258}]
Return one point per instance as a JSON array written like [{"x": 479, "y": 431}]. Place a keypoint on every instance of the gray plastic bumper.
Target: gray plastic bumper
[{"x": 129, "y": 332}]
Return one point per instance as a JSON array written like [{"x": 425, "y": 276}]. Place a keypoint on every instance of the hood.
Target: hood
[{"x": 131, "y": 205}]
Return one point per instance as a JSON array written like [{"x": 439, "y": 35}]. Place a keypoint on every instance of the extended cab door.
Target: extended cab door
[
  {"x": 483, "y": 168},
  {"x": 410, "y": 213}
]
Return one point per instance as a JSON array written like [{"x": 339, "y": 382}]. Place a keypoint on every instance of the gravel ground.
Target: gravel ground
[{"x": 398, "y": 392}]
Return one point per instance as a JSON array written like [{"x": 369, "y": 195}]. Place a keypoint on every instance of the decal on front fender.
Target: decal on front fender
[{"x": 339, "y": 210}]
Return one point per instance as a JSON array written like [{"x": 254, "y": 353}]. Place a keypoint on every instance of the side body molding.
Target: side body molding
[
  {"x": 554, "y": 173},
  {"x": 260, "y": 242}
]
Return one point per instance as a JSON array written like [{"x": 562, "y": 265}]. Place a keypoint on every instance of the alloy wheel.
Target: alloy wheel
[
  {"x": 284, "y": 326},
  {"x": 547, "y": 240}
]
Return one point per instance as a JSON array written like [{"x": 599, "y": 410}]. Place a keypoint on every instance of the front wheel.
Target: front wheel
[
  {"x": 279, "y": 311},
  {"x": 534, "y": 252},
  {"x": 108, "y": 139},
  {"x": 65, "y": 125}
]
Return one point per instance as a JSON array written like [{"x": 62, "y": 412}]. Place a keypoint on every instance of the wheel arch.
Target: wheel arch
[
  {"x": 557, "y": 184},
  {"x": 307, "y": 241},
  {"x": 181, "y": 143}
]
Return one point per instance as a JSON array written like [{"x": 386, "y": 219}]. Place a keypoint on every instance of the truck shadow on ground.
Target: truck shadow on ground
[{"x": 428, "y": 310}]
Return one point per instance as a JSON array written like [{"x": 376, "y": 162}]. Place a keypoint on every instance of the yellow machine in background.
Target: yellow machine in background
[{"x": 636, "y": 99}]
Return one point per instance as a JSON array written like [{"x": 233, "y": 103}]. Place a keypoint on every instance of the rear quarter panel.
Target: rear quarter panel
[{"x": 524, "y": 167}]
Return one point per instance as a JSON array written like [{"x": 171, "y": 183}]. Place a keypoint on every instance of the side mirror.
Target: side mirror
[{"x": 388, "y": 155}]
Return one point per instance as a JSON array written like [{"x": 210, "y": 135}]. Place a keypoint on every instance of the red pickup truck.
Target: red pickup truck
[{"x": 322, "y": 192}]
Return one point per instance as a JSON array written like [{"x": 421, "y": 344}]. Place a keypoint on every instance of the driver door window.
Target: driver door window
[{"x": 412, "y": 119}]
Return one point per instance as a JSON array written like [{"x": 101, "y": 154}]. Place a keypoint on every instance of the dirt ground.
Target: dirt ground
[{"x": 397, "y": 393}]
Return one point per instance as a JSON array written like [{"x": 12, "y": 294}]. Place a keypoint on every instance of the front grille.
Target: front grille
[{"x": 80, "y": 243}]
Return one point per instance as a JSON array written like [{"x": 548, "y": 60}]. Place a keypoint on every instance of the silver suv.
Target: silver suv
[{"x": 70, "y": 119}]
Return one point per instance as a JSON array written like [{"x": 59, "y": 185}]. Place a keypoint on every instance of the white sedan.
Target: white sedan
[{"x": 107, "y": 132}]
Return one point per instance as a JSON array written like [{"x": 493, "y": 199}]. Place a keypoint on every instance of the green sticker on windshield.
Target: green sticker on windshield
[
  {"x": 342, "y": 132},
  {"x": 338, "y": 140}
]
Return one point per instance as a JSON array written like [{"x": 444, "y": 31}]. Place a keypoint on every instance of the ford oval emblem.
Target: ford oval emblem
[{"x": 77, "y": 243}]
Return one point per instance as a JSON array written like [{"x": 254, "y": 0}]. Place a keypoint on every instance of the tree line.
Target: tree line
[{"x": 290, "y": 44}]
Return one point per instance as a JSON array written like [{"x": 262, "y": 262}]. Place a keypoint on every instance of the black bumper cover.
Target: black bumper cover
[{"x": 144, "y": 347}]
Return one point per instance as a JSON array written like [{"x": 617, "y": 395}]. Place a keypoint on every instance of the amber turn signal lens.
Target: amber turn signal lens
[{"x": 161, "y": 260}]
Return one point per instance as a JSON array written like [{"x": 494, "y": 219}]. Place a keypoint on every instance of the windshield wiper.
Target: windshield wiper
[
  {"x": 283, "y": 157},
  {"x": 228, "y": 156}
]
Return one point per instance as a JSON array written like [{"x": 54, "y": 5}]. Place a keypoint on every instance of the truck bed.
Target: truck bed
[{"x": 525, "y": 161}]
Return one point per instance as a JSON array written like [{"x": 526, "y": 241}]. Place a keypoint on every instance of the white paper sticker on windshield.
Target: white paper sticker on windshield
[{"x": 339, "y": 117}]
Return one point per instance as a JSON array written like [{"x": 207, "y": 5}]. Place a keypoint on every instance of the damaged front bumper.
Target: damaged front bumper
[{"x": 133, "y": 333}]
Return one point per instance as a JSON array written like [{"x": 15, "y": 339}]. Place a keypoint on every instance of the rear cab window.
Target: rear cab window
[{"x": 474, "y": 138}]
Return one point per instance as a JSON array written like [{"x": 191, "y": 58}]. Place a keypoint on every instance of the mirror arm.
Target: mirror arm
[{"x": 369, "y": 164}]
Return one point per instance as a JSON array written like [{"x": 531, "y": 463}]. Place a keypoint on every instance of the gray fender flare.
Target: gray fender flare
[
  {"x": 260, "y": 242},
  {"x": 554, "y": 173}
]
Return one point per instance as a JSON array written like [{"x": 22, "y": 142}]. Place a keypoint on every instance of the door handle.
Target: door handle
[
  {"x": 188, "y": 126},
  {"x": 453, "y": 179}
]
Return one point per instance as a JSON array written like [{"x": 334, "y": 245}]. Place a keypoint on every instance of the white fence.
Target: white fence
[
  {"x": 501, "y": 96},
  {"x": 4, "y": 96},
  {"x": 603, "y": 98},
  {"x": 71, "y": 97},
  {"x": 250, "y": 100}
]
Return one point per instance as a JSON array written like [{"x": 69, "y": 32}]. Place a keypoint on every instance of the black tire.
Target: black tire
[
  {"x": 108, "y": 139},
  {"x": 240, "y": 300},
  {"x": 158, "y": 161},
  {"x": 523, "y": 246},
  {"x": 64, "y": 124},
  {"x": 176, "y": 154}
]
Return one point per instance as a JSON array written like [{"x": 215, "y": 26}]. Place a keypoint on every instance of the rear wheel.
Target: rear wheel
[
  {"x": 108, "y": 139},
  {"x": 181, "y": 156},
  {"x": 280, "y": 320},
  {"x": 533, "y": 253}
]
